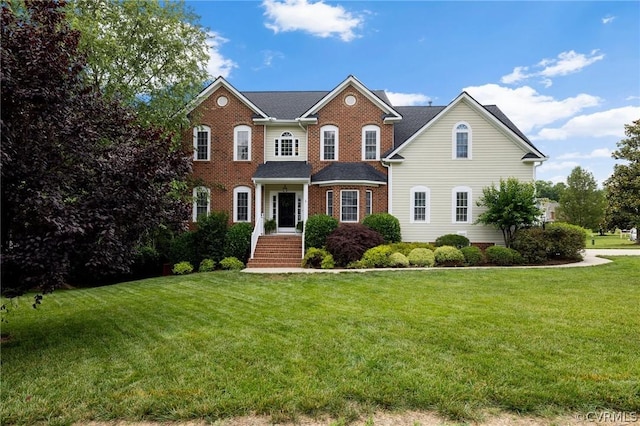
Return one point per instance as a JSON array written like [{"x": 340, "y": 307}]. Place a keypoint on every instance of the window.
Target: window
[
  {"x": 330, "y": 203},
  {"x": 371, "y": 143},
  {"x": 349, "y": 206},
  {"x": 242, "y": 143},
  {"x": 201, "y": 143},
  {"x": 461, "y": 204},
  {"x": 462, "y": 141},
  {"x": 201, "y": 202},
  {"x": 368, "y": 203},
  {"x": 420, "y": 204},
  {"x": 287, "y": 145},
  {"x": 242, "y": 204},
  {"x": 329, "y": 143}
]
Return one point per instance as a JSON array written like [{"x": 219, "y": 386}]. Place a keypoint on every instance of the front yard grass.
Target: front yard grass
[
  {"x": 610, "y": 241},
  {"x": 223, "y": 344}
]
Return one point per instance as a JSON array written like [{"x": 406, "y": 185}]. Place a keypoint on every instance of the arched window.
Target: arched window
[
  {"x": 329, "y": 143},
  {"x": 242, "y": 204},
  {"x": 420, "y": 205},
  {"x": 461, "y": 141},
  {"x": 287, "y": 145},
  {"x": 201, "y": 143},
  {"x": 371, "y": 142},
  {"x": 201, "y": 202},
  {"x": 242, "y": 143}
]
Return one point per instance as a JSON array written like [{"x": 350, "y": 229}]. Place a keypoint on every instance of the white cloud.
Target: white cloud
[
  {"x": 557, "y": 165},
  {"x": 218, "y": 65},
  {"x": 407, "y": 99},
  {"x": 596, "y": 153},
  {"x": 599, "y": 124},
  {"x": 631, "y": 98},
  {"x": 565, "y": 63},
  {"x": 319, "y": 19},
  {"x": 529, "y": 109},
  {"x": 608, "y": 19}
]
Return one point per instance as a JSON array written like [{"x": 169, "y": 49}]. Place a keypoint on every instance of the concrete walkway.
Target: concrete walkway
[{"x": 591, "y": 258}]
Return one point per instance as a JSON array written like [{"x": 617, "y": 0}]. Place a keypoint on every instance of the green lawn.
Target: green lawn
[
  {"x": 215, "y": 345},
  {"x": 610, "y": 241}
]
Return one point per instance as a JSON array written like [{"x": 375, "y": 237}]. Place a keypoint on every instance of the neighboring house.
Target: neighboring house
[
  {"x": 348, "y": 153},
  {"x": 548, "y": 208}
]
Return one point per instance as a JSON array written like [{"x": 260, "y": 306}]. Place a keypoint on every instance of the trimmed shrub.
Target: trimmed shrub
[
  {"x": 238, "y": 241},
  {"x": 532, "y": 244},
  {"x": 406, "y": 248},
  {"x": 207, "y": 265},
  {"x": 503, "y": 256},
  {"x": 231, "y": 263},
  {"x": 210, "y": 236},
  {"x": 566, "y": 241},
  {"x": 472, "y": 255},
  {"x": 349, "y": 242},
  {"x": 146, "y": 263},
  {"x": 182, "y": 268},
  {"x": 453, "y": 240},
  {"x": 386, "y": 225},
  {"x": 183, "y": 248},
  {"x": 448, "y": 256},
  {"x": 376, "y": 257},
  {"x": 317, "y": 229},
  {"x": 421, "y": 257},
  {"x": 316, "y": 258},
  {"x": 398, "y": 260}
]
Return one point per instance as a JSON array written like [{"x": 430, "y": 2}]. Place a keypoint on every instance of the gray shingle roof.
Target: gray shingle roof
[
  {"x": 283, "y": 169},
  {"x": 349, "y": 172}
]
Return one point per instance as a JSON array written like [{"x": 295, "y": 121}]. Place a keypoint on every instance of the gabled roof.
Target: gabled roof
[
  {"x": 215, "y": 85},
  {"x": 416, "y": 119},
  {"x": 383, "y": 103},
  {"x": 349, "y": 172}
]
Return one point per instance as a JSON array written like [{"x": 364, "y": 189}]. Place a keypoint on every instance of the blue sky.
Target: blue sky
[{"x": 567, "y": 73}]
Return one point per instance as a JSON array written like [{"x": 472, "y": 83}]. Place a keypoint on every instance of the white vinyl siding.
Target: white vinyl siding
[
  {"x": 201, "y": 202},
  {"x": 242, "y": 143},
  {"x": 274, "y": 135},
  {"x": 428, "y": 161},
  {"x": 349, "y": 206},
  {"x": 201, "y": 143}
]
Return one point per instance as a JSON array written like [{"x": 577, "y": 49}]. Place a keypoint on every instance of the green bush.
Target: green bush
[
  {"x": 472, "y": 255},
  {"x": 386, "y": 225},
  {"x": 238, "y": 241},
  {"x": 376, "y": 257},
  {"x": 146, "y": 263},
  {"x": 406, "y": 248},
  {"x": 317, "y": 229},
  {"x": 183, "y": 248},
  {"x": 349, "y": 242},
  {"x": 532, "y": 244},
  {"x": 448, "y": 256},
  {"x": 182, "y": 268},
  {"x": 210, "y": 236},
  {"x": 566, "y": 241},
  {"x": 421, "y": 257},
  {"x": 454, "y": 240},
  {"x": 398, "y": 260},
  {"x": 232, "y": 263},
  {"x": 503, "y": 256},
  {"x": 207, "y": 265},
  {"x": 317, "y": 258}
]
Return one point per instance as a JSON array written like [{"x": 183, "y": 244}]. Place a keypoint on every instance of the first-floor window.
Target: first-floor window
[
  {"x": 368, "y": 203},
  {"x": 329, "y": 203},
  {"x": 242, "y": 204},
  {"x": 461, "y": 204},
  {"x": 201, "y": 204},
  {"x": 349, "y": 206},
  {"x": 420, "y": 204}
]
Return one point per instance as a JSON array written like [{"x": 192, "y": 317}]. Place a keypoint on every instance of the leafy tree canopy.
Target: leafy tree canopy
[
  {"x": 582, "y": 203},
  {"x": 148, "y": 54},
  {"x": 509, "y": 207},
  {"x": 82, "y": 181},
  {"x": 547, "y": 189},
  {"x": 623, "y": 187}
]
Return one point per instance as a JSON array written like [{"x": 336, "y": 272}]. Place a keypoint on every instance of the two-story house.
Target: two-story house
[{"x": 349, "y": 152}]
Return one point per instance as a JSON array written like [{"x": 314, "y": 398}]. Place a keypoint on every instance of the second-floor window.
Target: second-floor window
[
  {"x": 371, "y": 142},
  {"x": 329, "y": 143},
  {"x": 462, "y": 141},
  {"x": 201, "y": 143},
  {"x": 242, "y": 143},
  {"x": 287, "y": 145}
]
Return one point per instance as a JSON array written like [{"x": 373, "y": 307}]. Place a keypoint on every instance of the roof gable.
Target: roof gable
[{"x": 215, "y": 85}]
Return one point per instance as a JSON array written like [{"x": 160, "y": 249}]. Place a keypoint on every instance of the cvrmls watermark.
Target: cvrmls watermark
[{"x": 619, "y": 417}]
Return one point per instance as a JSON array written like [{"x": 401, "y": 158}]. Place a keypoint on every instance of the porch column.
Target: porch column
[
  {"x": 305, "y": 201},
  {"x": 258, "y": 203}
]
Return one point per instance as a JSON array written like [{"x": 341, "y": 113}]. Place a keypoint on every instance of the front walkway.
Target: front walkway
[{"x": 590, "y": 259}]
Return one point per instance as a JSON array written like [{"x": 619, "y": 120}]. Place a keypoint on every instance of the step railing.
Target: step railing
[{"x": 258, "y": 230}]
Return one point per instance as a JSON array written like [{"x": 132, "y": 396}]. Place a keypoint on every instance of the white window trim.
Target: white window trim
[
  {"x": 454, "y": 191},
  {"x": 370, "y": 127},
  {"x": 295, "y": 147},
  {"x": 322, "y": 130},
  {"x": 236, "y": 191},
  {"x": 329, "y": 196},
  {"x": 454, "y": 150},
  {"x": 368, "y": 206},
  {"x": 201, "y": 128},
  {"x": 427, "y": 212},
  {"x": 357, "y": 205},
  {"x": 236, "y": 151},
  {"x": 196, "y": 190}
]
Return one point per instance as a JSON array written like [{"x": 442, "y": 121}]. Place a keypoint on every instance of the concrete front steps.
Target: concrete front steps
[{"x": 277, "y": 251}]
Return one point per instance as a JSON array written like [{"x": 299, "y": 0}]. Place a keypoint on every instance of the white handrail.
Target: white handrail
[{"x": 257, "y": 231}]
